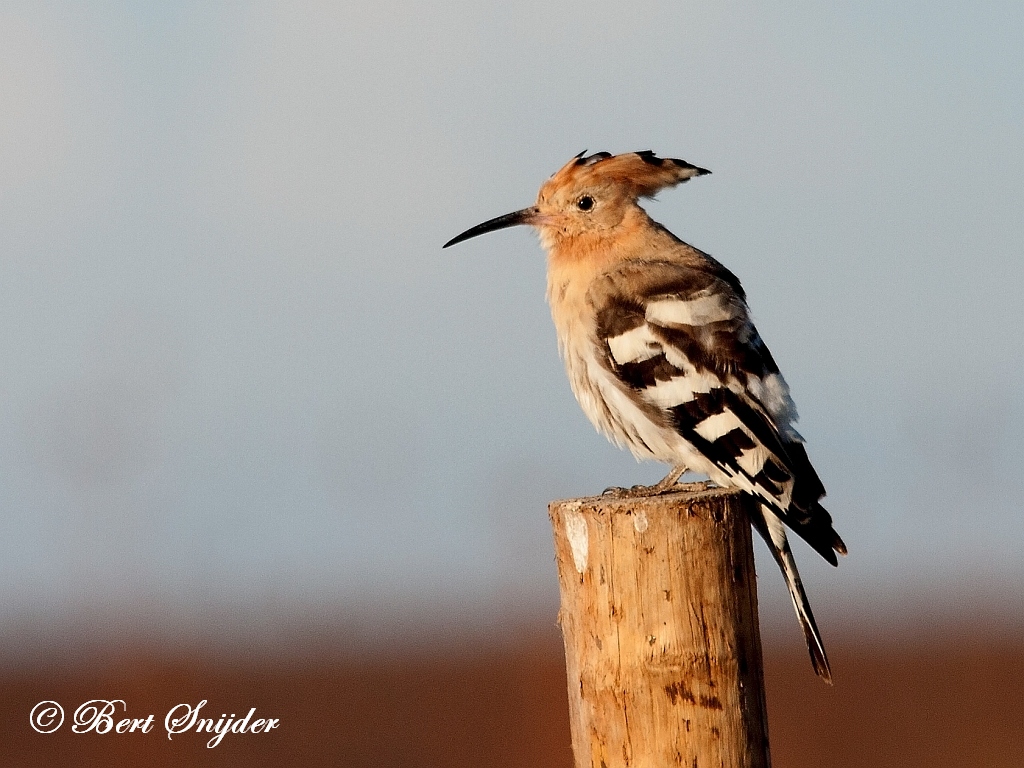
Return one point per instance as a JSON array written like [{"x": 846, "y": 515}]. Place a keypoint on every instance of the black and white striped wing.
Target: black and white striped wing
[{"x": 681, "y": 340}]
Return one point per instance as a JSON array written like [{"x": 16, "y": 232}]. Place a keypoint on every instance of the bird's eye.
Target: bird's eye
[{"x": 585, "y": 203}]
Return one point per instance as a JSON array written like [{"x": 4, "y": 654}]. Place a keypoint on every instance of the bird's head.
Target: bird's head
[{"x": 592, "y": 194}]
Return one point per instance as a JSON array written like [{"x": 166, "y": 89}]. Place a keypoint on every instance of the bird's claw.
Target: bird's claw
[{"x": 635, "y": 492}]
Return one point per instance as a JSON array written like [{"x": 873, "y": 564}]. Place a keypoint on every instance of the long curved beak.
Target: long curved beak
[{"x": 525, "y": 216}]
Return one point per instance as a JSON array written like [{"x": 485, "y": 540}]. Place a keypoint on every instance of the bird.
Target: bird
[{"x": 663, "y": 357}]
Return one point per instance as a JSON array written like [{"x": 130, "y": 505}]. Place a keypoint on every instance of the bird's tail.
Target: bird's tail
[
  {"x": 815, "y": 647},
  {"x": 771, "y": 528}
]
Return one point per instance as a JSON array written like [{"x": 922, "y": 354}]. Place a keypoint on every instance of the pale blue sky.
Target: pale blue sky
[{"x": 239, "y": 370}]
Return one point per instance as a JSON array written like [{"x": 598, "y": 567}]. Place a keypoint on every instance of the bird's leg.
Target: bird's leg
[
  {"x": 668, "y": 482},
  {"x": 664, "y": 485}
]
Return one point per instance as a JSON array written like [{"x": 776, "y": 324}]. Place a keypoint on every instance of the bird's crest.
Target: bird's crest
[{"x": 642, "y": 173}]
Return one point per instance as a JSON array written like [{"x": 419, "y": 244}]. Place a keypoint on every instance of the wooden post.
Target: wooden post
[{"x": 659, "y": 617}]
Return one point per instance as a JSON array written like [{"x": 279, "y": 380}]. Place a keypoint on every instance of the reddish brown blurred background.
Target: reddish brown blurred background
[{"x": 945, "y": 697}]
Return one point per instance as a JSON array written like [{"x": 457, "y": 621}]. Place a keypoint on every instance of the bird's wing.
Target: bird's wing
[{"x": 680, "y": 339}]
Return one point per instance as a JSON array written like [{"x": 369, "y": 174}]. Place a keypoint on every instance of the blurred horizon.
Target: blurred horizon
[
  {"x": 944, "y": 700},
  {"x": 244, "y": 388}
]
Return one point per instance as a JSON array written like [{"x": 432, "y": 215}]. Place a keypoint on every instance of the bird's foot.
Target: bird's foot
[
  {"x": 665, "y": 485},
  {"x": 636, "y": 491}
]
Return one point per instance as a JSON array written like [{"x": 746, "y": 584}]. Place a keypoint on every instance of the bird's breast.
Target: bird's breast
[{"x": 612, "y": 407}]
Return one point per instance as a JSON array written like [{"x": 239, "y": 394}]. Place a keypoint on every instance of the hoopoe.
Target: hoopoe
[{"x": 662, "y": 354}]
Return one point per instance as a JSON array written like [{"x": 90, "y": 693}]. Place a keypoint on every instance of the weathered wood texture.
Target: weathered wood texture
[{"x": 659, "y": 618}]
